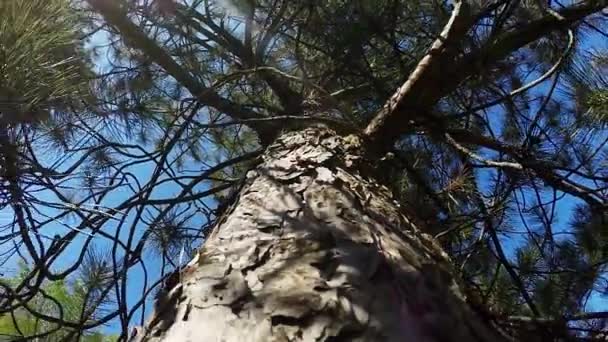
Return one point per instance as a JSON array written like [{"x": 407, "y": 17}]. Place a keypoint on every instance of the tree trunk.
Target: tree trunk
[{"x": 314, "y": 249}]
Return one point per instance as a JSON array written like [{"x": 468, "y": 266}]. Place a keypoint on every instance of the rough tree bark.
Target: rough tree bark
[{"x": 314, "y": 249}]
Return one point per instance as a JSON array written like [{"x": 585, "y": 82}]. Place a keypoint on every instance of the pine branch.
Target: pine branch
[
  {"x": 290, "y": 99},
  {"x": 570, "y": 318},
  {"x": 428, "y": 73},
  {"x": 524, "y": 161},
  {"x": 438, "y": 74},
  {"x": 135, "y": 38},
  {"x": 525, "y": 87}
]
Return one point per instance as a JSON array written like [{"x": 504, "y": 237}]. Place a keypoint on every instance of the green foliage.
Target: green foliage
[
  {"x": 57, "y": 299},
  {"x": 597, "y": 102},
  {"x": 42, "y": 67}
]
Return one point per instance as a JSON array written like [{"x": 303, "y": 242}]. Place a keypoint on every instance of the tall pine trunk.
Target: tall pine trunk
[{"x": 314, "y": 249}]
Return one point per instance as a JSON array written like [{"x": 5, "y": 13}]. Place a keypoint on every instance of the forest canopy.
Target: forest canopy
[{"x": 127, "y": 128}]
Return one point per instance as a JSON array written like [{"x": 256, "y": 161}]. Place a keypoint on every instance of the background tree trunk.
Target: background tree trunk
[{"x": 314, "y": 249}]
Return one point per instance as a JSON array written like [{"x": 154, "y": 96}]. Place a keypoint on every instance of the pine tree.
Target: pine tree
[
  {"x": 384, "y": 170},
  {"x": 45, "y": 81},
  {"x": 67, "y": 301}
]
